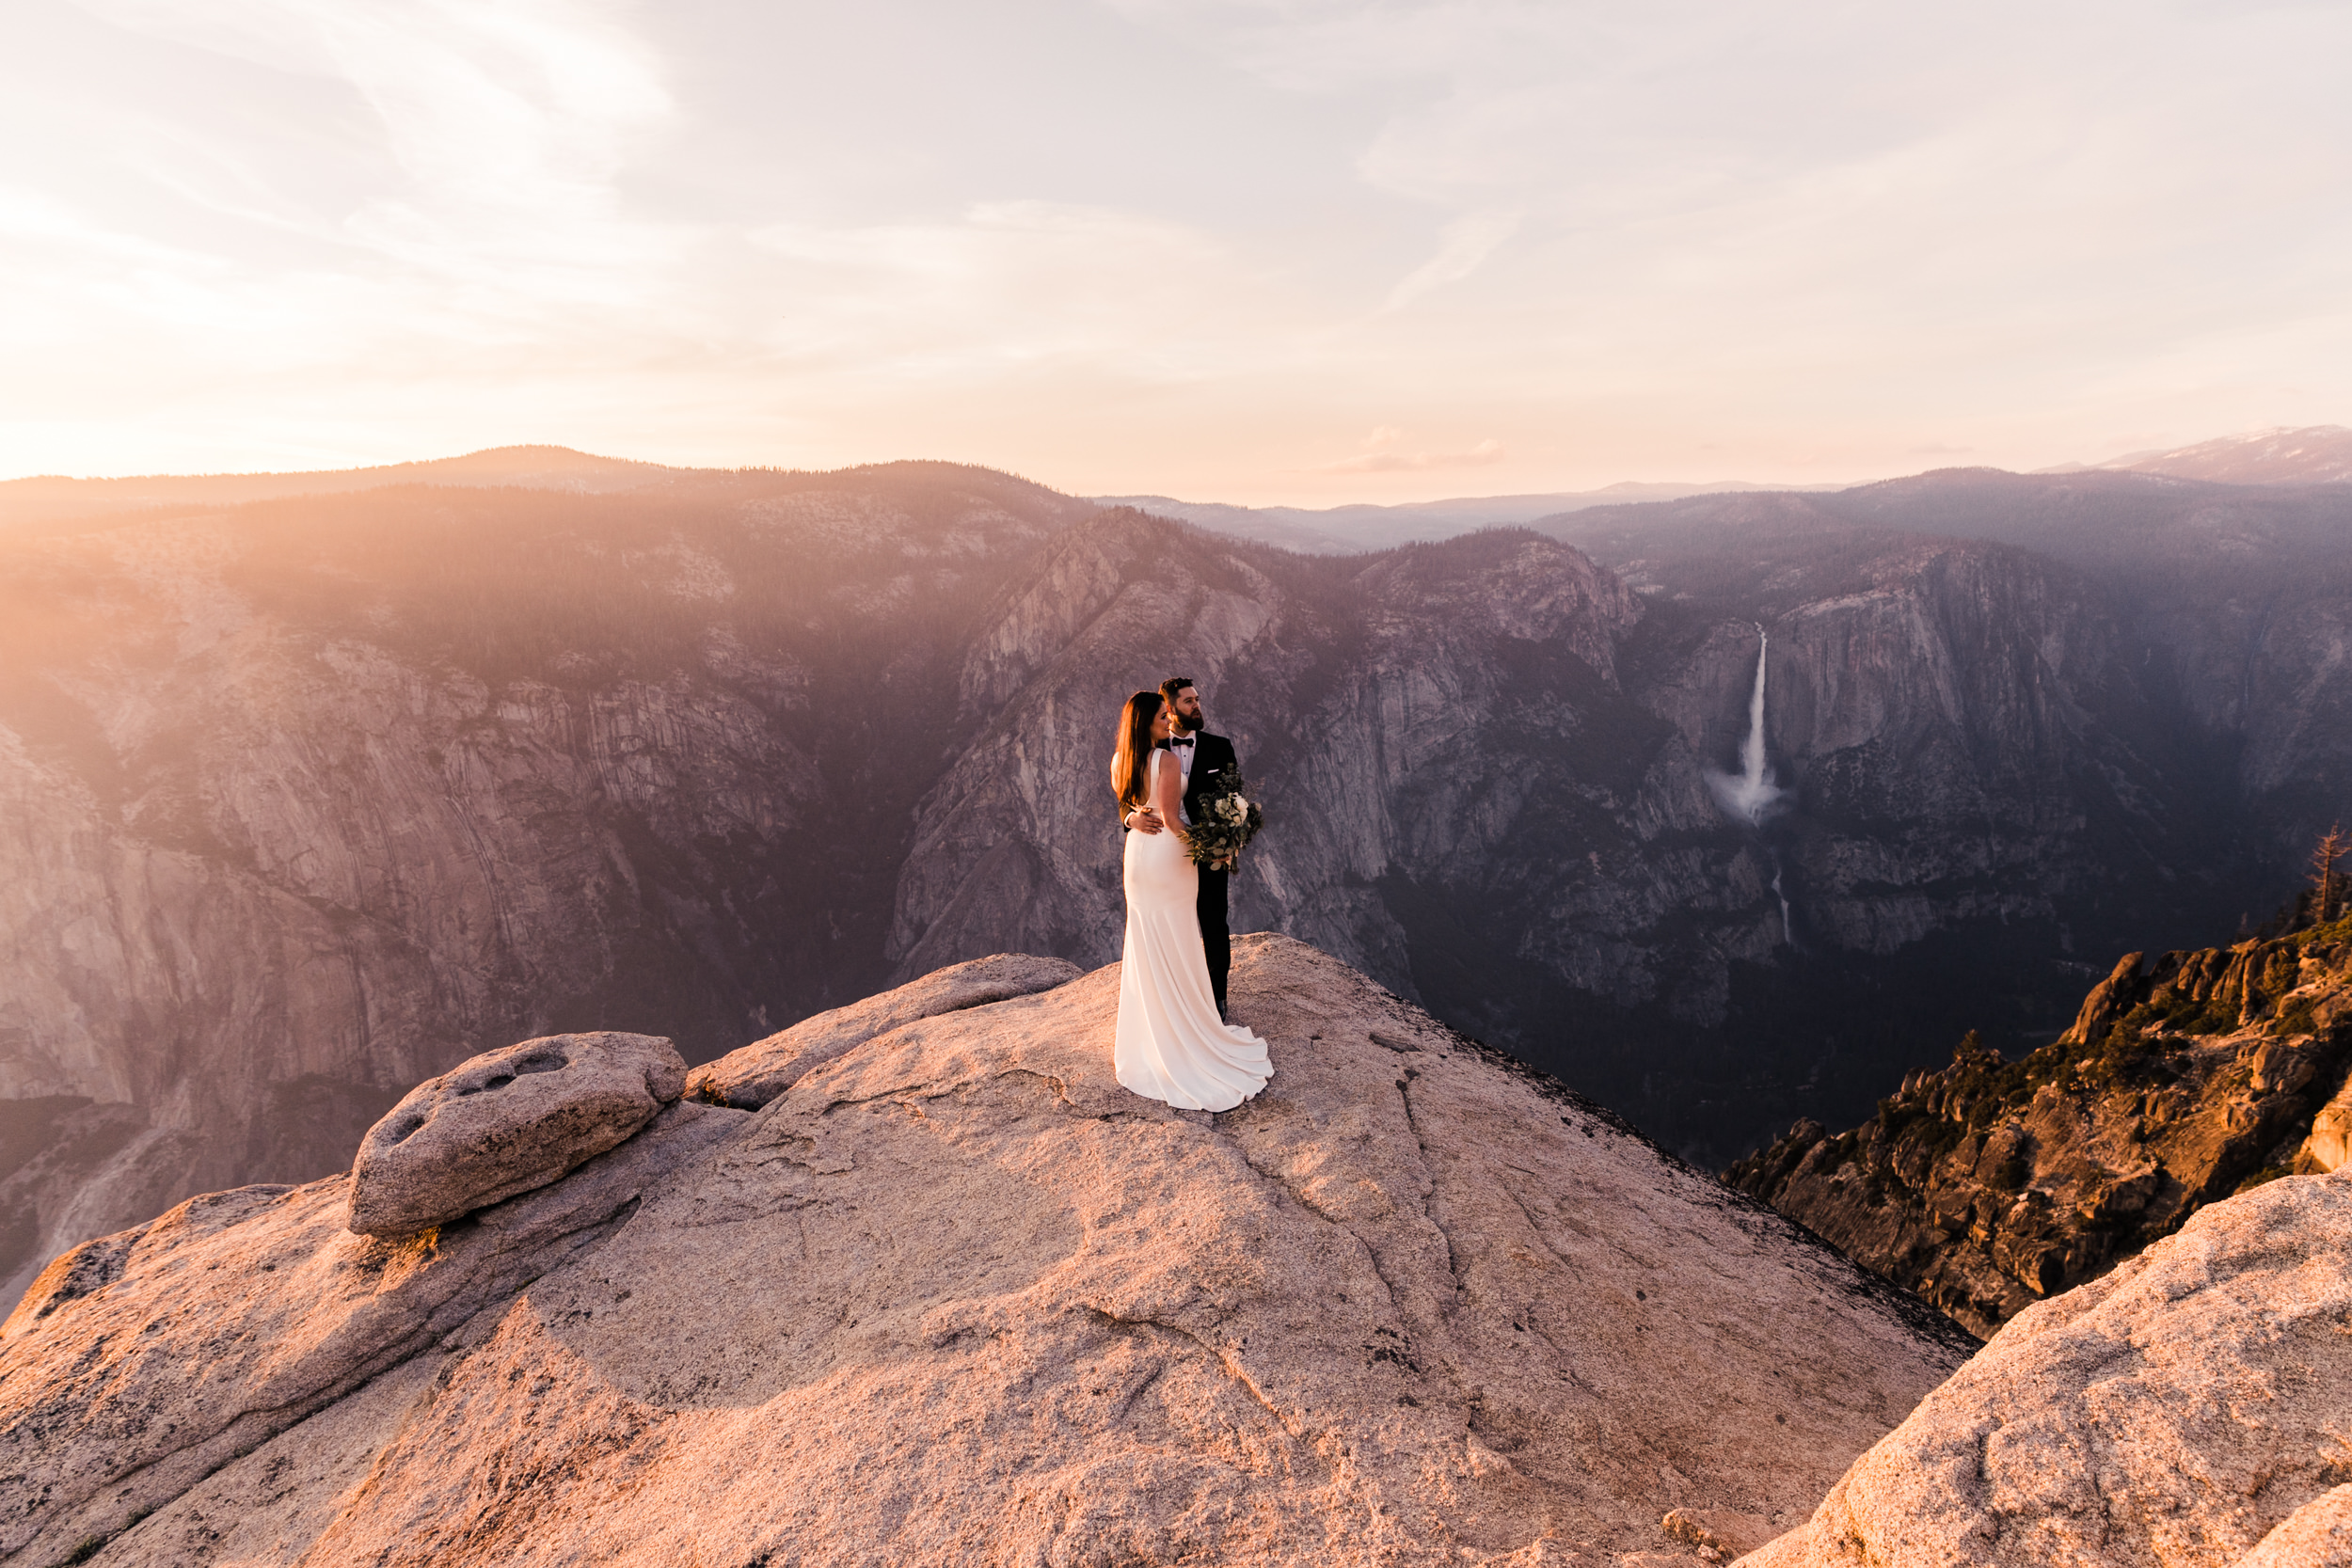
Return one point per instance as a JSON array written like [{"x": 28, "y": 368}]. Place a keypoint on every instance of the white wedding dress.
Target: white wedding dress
[{"x": 1171, "y": 1044}]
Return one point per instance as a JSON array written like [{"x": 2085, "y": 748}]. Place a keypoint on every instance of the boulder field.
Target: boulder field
[{"x": 954, "y": 1297}]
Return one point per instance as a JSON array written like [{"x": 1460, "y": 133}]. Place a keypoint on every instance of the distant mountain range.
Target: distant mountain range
[
  {"x": 2313, "y": 455},
  {"x": 1337, "y": 530},
  {"x": 2321, "y": 454},
  {"x": 49, "y": 497}
]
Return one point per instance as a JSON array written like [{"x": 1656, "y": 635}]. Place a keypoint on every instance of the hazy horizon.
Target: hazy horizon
[
  {"x": 2313, "y": 454},
  {"x": 1301, "y": 254}
]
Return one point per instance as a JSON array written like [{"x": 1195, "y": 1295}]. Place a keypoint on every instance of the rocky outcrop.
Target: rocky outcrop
[
  {"x": 955, "y": 1296},
  {"x": 142, "y": 1363},
  {"x": 1990, "y": 1185},
  {"x": 2329, "y": 1145},
  {"x": 749, "y": 1078},
  {"x": 506, "y": 1122},
  {"x": 2317, "y": 1535},
  {"x": 2186, "y": 1408}
]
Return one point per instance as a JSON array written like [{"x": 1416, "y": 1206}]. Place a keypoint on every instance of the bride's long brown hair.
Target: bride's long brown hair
[{"x": 1130, "y": 778}]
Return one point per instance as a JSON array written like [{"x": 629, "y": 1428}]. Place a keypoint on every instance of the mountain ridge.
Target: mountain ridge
[
  {"x": 54, "y": 496},
  {"x": 2282, "y": 455}
]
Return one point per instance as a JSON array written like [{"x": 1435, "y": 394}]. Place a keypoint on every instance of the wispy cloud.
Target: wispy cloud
[
  {"x": 491, "y": 136},
  {"x": 1467, "y": 242}
]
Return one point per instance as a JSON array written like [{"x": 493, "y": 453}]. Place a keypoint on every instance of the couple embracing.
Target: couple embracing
[{"x": 1173, "y": 1044}]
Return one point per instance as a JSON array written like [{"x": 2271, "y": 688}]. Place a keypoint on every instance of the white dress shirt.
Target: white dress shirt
[{"x": 1184, "y": 749}]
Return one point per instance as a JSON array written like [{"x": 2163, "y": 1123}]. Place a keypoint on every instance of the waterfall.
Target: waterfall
[
  {"x": 1787, "y": 926},
  {"x": 1750, "y": 793}
]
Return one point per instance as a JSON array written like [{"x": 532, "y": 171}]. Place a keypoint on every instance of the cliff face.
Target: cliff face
[
  {"x": 304, "y": 802},
  {"x": 2230, "y": 604},
  {"x": 1988, "y": 1186},
  {"x": 1401, "y": 714},
  {"x": 954, "y": 1297},
  {"x": 1955, "y": 735},
  {"x": 1489, "y": 769}
]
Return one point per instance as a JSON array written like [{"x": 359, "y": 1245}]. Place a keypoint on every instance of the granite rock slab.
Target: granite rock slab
[
  {"x": 751, "y": 1077},
  {"x": 959, "y": 1297}
]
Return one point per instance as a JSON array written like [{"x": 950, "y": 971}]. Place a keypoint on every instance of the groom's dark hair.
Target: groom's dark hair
[{"x": 1174, "y": 684}]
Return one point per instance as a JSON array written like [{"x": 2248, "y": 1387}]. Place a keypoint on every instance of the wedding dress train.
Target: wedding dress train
[{"x": 1171, "y": 1045}]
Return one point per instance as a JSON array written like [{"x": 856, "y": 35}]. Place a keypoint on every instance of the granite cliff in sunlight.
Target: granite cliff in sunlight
[
  {"x": 931, "y": 1289},
  {"x": 951, "y": 1295},
  {"x": 2185, "y": 1408},
  {"x": 1990, "y": 1185}
]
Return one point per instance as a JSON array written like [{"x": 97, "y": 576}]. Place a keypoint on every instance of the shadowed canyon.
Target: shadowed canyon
[{"x": 310, "y": 790}]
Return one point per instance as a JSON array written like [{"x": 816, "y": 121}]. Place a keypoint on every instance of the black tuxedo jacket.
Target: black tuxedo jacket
[{"x": 1211, "y": 759}]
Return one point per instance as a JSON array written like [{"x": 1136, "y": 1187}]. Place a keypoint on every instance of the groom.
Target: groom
[{"x": 1205, "y": 758}]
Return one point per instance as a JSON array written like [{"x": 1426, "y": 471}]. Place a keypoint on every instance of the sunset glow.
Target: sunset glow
[{"x": 1300, "y": 252}]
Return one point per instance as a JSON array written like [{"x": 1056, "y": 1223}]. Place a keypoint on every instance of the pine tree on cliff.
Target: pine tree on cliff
[{"x": 2327, "y": 886}]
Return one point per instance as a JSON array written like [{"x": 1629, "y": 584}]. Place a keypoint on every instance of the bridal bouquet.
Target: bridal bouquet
[{"x": 1224, "y": 823}]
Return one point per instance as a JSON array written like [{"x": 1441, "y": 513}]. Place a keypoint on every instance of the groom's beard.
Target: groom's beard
[{"x": 1188, "y": 726}]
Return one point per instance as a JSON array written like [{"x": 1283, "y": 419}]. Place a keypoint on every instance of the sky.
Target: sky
[{"x": 1266, "y": 251}]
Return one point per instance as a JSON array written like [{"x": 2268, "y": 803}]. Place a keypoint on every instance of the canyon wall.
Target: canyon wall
[
  {"x": 1488, "y": 769},
  {"x": 307, "y": 799},
  {"x": 311, "y": 797}
]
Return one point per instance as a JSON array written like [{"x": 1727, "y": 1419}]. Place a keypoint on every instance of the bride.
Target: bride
[{"x": 1171, "y": 1044}]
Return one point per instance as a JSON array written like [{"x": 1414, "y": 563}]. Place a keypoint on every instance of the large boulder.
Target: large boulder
[
  {"x": 2317, "y": 1535},
  {"x": 506, "y": 1122},
  {"x": 749, "y": 1078},
  {"x": 957, "y": 1297},
  {"x": 2187, "y": 1408}
]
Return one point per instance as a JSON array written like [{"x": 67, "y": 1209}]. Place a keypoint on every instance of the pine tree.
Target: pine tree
[{"x": 2327, "y": 886}]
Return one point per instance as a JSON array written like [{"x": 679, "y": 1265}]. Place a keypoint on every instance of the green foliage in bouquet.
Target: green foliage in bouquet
[{"x": 1224, "y": 823}]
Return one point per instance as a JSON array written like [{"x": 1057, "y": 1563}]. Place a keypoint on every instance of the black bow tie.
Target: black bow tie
[{"x": 1185, "y": 742}]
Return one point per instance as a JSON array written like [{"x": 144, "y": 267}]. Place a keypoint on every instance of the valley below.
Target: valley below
[{"x": 308, "y": 795}]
